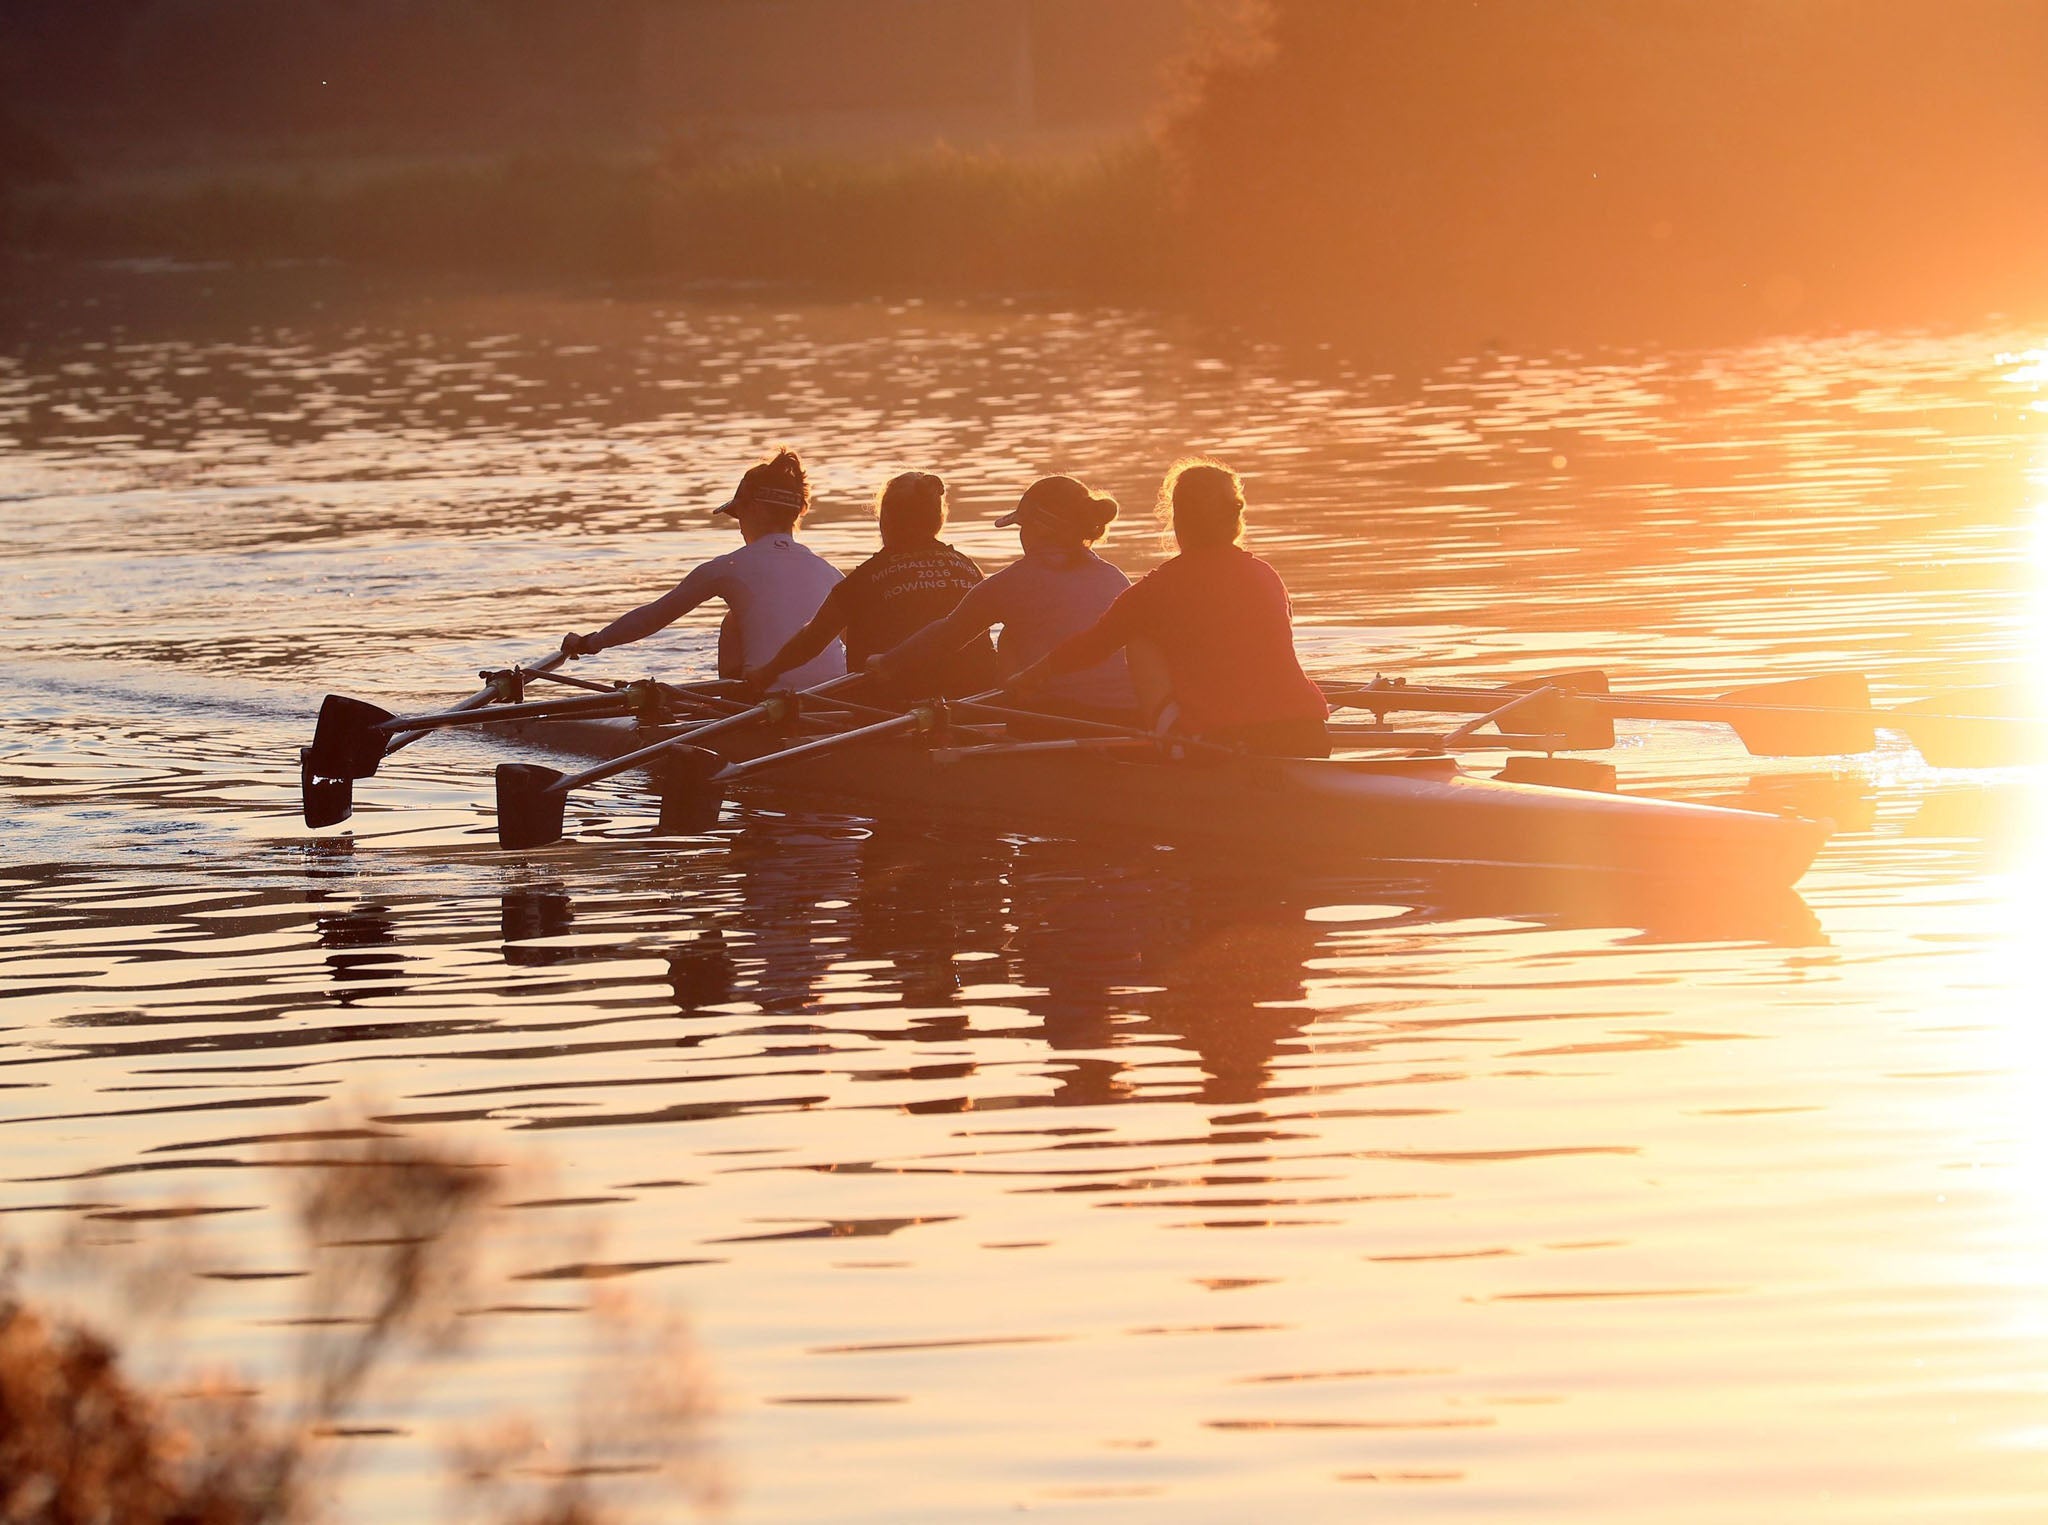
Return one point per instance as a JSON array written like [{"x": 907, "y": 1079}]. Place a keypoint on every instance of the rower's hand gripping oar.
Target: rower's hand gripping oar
[
  {"x": 352, "y": 737},
  {"x": 531, "y": 797}
]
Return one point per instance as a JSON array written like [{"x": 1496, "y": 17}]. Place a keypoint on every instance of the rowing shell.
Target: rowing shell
[{"x": 1328, "y": 812}]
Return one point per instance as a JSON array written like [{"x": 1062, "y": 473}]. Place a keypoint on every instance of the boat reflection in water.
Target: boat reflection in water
[
  {"x": 363, "y": 957},
  {"x": 1123, "y": 964}
]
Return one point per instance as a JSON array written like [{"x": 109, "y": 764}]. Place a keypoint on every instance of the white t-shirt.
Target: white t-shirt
[{"x": 773, "y": 586}]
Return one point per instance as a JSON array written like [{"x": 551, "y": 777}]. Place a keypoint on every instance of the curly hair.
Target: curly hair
[{"x": 1202, "y": 500}]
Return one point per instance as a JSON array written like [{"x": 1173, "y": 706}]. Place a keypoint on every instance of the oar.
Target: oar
[
  {"x": 1950, "y": 734},
  {"x": 979, "y": 706},
  {"x": 1803, "y": 717},
  {"x": 531, "y": 797},
  {"x": 1534, "y": 698},
  {"x": 1376, "y": 737},
  {"x": 353, "y": 736},
  {"x": 1824, "y": 716},
  {"x": 692, "y": 802},
  {"x": 326, "y": 784},
  {"x": 1416, "y": 744},
  {"x": 563, "y": 678},
  {"x": 1558, "y": 708}
]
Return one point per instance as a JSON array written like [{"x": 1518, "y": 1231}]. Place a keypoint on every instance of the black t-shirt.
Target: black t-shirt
[{"x": 896, "y": 593}]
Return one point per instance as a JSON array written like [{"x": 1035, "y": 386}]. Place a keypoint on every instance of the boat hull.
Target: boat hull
[{"x": 1329, "y": 812}]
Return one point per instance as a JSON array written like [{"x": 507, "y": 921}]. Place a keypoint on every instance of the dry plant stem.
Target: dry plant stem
[{"x": 393, "y": 1228}]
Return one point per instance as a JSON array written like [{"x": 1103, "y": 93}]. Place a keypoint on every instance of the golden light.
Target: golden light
[
  {"x": 2030, "y": 369},
  {"x": 2021, "y": 1046}
]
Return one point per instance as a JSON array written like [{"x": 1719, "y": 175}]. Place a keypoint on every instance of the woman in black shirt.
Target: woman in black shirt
[{"x": 913, "y": 579}]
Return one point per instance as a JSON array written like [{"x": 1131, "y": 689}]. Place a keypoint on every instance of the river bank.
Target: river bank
[{"x": 1099, "y": 224}]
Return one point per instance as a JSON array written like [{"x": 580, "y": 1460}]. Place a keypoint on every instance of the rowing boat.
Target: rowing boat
[{"x": 1330, "y": 812}]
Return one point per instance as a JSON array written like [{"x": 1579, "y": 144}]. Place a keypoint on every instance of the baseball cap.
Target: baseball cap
[{"x": 1064, "y": 503}]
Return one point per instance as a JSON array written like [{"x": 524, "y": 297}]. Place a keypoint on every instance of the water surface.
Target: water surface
[{"x": 996, "y": 1172}]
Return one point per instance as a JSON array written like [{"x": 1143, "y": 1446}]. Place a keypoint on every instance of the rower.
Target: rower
[
  {"x": 913, "y": 579},
  {"x": 1220, "y": 619},
  {"x": 771, "y": 585},
  {"x": 1056, "y": 589}
]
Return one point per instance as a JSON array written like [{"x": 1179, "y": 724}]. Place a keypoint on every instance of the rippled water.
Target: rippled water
[{"x": 1002, "y": 1173}]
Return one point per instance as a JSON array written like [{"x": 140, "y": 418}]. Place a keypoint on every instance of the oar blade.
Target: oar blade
[
  {"x": 691, "y": 797},
  {"x": 1580, "y": 723},
  {"x": 1782, "y": 725},
  {"x": 346, "y": 741},
  {"x": 1953, "y": 730},
  {"x": 1580, "y": 680},
  {"x": 1565, "y": 720},
  {"x": 323, "y": 801},
  {"x": 529, "y": 805},
  {"x": 1588, "y": 774}
]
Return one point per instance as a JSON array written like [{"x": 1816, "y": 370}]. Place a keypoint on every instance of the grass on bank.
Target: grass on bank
[{"x": 937, "y": 220}]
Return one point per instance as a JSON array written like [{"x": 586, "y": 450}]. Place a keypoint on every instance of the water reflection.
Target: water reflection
[
  {"x": 922, "y": 899},
  {"x": 362, "y": 939},
  {"x": 1846, "y": 800},
  {"x": 1708, "y": 517},
  {"x": 701, "y": 973},
  {"x": 1177, "y": 977},
  {"x": 530, "y": 912}
]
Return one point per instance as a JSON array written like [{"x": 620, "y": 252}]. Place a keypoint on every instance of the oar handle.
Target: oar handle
[
  {"x": 478, "y": 699},
  {"x": 823, "y": 743},
  {"x": 775, "y": 706},
  {"x": 766, "y": 710},
  {"x": 1100, "y": 728},
  {"x": 1062, "y": 744},
  {"x": 1412, "y": 697},
  {"x": 920, "y": 717},
  {"x": 614, "y": 702},
  {"x": 1452, "y": 738},
  {"x": 1485, "y": 702},
  {"x": 591, "y": 684}
]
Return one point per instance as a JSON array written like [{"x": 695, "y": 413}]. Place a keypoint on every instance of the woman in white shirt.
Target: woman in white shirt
[{"x": 771, "y": 585}]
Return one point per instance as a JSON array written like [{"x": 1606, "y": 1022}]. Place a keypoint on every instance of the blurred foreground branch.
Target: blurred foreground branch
[{"x": 394, "y": 1231}]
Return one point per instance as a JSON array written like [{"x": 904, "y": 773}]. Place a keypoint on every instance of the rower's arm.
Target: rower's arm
[
  {"x": 704, "y": 582},
  {"x": 807, "y": 643},
  {"x": 1120, "y": 624},
  {"x": 971, "y": 617}
]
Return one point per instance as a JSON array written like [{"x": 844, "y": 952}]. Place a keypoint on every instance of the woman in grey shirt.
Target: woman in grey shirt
[{"x": 1059, "y": 586}]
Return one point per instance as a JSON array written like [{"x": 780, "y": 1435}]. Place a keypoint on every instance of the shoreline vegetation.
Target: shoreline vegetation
[
  {"x": 1403, "y": 175},
  {"x": 943, "y": 220}
]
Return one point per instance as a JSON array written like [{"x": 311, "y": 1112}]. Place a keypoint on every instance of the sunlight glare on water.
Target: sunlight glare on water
[{"x": 998, "y": 1172}]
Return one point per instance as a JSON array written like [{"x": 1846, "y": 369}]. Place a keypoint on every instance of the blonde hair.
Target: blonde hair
[
  {"x": 911, "y": 506},
  {"x": 1202, "y": 502}
]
